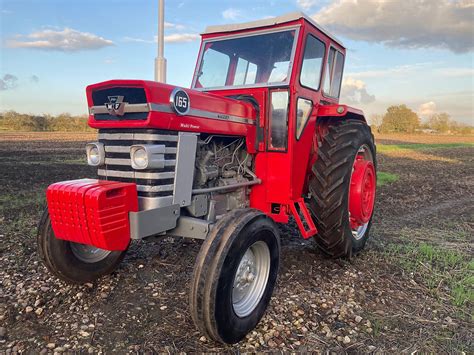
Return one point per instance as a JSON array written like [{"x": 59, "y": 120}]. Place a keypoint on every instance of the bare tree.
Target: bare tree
[{"x": 375, "y": 122}]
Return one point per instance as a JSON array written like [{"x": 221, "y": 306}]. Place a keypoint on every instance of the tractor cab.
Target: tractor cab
[
  {"x": 290, "y": 69},
  {"x": 288, "y": 51}
]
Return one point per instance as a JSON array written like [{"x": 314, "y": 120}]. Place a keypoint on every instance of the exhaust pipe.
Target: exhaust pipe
[{"x": 160, "y": 61}]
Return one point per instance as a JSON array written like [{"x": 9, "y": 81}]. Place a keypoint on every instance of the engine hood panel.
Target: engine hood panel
[{"x": 148, "y": 104}]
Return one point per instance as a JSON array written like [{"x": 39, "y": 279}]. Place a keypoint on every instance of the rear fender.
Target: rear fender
[
  {"x": 341, "y": 112},
  {"x": 331, "y": 113},
  {"x": 328, "y": 114}
]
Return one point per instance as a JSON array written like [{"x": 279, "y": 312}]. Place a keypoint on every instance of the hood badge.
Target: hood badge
[
  {"x": 115, "y": 106},
  {"x": 179, "y": 101}
]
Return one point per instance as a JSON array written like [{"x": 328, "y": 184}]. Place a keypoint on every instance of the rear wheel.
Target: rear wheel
[
  {"x": 74, "y": 262},
  {"x": 343, "y": 186},
  {"x": 234, "y": 276}
]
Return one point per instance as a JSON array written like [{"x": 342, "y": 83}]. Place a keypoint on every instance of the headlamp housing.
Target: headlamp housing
[
  {"x": 147, "y": 156},
  {"x": 95, "y": 153}
]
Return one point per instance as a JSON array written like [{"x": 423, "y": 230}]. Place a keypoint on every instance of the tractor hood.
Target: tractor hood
[{"x": 148, "y": 104}]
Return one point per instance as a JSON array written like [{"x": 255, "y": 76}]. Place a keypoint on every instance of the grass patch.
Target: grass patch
[
  {"x": 384, "y": 178},
  {"x": 440, "y": 269},
  {"x": 383, "y": 148},
  {"x": 22, "y": 200}
]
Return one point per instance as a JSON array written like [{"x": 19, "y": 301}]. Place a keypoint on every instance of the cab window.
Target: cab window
[
  {"x": 278, "y": 120},
  {"x": 217, "y": 64},
  {"x": 334, "y": 69},
  {"x": 310, "y": 75},
  {"x": 246, "y": 72},
  {"x": 257, "y": 59},
  {"x": 303, "y": 112}
]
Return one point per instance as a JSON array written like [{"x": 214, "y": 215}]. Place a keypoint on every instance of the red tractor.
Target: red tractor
[{"x": 260, "y": 137}]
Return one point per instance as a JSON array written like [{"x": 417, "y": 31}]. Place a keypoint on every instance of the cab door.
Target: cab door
[{"x": 306, "y": 100}]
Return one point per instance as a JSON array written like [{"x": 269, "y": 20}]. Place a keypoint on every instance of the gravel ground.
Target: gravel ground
[{"x": 367, "y": 304}]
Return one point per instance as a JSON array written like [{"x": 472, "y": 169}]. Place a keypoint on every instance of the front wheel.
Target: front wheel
[
  {"x": 234, "y": 276},
  {"x": 73, "y": 262}
]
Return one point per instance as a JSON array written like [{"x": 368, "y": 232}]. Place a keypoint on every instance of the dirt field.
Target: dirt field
[{"x": 410, "y": 290}]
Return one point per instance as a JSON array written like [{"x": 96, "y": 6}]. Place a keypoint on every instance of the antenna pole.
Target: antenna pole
[{"x": 160, "y": 61}]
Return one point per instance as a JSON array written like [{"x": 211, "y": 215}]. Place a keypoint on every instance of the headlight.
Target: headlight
[
  {"x": 95, "y": 154},
  {"x": 147, "y": 156},
  {"x": 139, "y": 159}
]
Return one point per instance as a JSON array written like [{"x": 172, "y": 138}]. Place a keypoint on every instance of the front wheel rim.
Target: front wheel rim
[
  {"x": 88, "y": 253},
  {"x": 251, "y": 278}
]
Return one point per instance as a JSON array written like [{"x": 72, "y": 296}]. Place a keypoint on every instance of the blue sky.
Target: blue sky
[{"x": 412, "y": 52}]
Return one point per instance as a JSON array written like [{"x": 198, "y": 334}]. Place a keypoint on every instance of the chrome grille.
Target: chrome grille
[
  {"x": 151, "y": 183},
  {"x": 133, "y": 96}
]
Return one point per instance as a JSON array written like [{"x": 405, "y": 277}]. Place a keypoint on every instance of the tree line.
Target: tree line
[
  {"x": 14, "y": 121},
  {"x": 397, "y": 119},
  {"x": 401, "y": 119}
]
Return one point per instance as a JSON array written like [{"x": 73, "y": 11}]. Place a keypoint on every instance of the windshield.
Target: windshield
[{"x": 262, "y": 59}]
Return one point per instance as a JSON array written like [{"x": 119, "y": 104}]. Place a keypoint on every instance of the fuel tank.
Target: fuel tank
[{"x": 148, "y": 104}]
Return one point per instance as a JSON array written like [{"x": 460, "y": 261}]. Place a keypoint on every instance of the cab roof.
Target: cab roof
[{"x": 293, "y": 16}]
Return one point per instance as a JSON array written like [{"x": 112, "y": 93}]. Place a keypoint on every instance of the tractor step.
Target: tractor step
[{"x": 306, "y": 225}]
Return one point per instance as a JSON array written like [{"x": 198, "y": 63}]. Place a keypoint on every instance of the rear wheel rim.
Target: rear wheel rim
[
  {"x": 88, "y": 253},
  {"x": 359, "y": 231},
  {"x": 251, "y": 278}
]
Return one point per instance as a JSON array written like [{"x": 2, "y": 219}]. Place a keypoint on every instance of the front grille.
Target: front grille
[
  {"x": 150, "y": 182},
  {"x": 131, "y": 96}
]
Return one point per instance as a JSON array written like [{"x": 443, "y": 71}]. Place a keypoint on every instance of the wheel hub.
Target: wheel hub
[
  {"x": 251, "y": 278},
  {"x": 88, "y": 253},
  {"x": 246, "y": 272},
  {"x": 362, "y": 192}
]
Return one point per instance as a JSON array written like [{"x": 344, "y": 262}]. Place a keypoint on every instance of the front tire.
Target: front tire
[
  {"x": 343, "y": 217},
  {"x": 234, "y": 275},
  {"x": 73, "y": 262}
]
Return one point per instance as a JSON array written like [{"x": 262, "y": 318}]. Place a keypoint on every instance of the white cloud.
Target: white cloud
[
  {"x": 427, "y": 109},
  {"x": 67, "y": 40},
  {"x": 34, "y": 79},
  {"x": 138, "y": 40},
  {"x": 355, "y": 92},
  {"x": 413, "y": 72},
  {"x": 445, "y": 24},
  {"x": 181, "y": 37},
  {"x": 231, "y": 14},
  {"x": 306, "y": 4},
  {"x": 173, "y": 38},
  {"x": 396, "y": 71},
  {"x": 458, "y": 105},
  {"x": 456, "y": 72},
  {"x": 174, "y": 26}
]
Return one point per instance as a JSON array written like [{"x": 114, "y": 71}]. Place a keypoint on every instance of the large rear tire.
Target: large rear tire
[
  {"x": 234, "y": 275},
  {"x": 73, "y": 262},
  {"x": 344, "y": 149}
]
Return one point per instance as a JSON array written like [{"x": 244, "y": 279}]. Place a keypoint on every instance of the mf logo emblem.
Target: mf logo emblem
[{"x": 115, "y": 106}]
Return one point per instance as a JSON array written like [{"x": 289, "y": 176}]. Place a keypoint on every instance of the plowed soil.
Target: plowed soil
[{"x": 410, "y": 290}]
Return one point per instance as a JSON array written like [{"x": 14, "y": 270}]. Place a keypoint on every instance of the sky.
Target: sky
[{"x": 413, "y": 52}]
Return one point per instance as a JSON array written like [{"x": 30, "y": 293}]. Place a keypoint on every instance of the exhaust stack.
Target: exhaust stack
[{"x": 160, "y": 61}]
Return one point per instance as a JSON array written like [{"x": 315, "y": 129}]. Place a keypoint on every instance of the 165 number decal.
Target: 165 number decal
[{"x": 180, "y": 102}]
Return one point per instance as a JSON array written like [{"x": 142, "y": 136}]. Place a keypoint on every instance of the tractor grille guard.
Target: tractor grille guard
[{"x": 155, "y": 187}]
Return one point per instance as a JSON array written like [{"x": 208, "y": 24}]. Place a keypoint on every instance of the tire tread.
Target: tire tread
[{"x": 329, "y": 183}]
